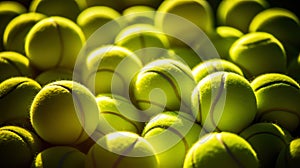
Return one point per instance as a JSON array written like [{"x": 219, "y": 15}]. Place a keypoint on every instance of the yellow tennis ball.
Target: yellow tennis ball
[
  {"x": 64, "y": 113},
  {"x": 169, "y": 133},
  {"x": 17, "y": 29},
  {"x": 53, "y": 75},
  {"x": 187, "y": 55},
  {"x": 59, "y": 156},
  {"x": 66, "y": 39},
  {"x": 16, "y": 95},
  {"x": 115, "y": 4},
  {"x": 18, "y": 146},
  {"x": 139, "y": 14},
  {"x": 130, "y": 3},
  {"x": 122, "y": 149},
  {"x": 289, "y": 156}
]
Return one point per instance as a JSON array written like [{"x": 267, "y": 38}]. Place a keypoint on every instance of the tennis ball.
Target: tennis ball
[
  {"x": 258, "y": 53},
  {"x": 59, "y": 156},
  {"x": 8, "y": 10},
  {"x": 187, "y": 55},
  {"x": 281, "y": 23},
  {"x": 110, "y": 69},
  {"x": 239, "y": 14},
  {"x": 18, "y": 146},
  {"x": 115, "y": 4},
  {"x": 222, "y": 97},
  {"x": 267, "y": 139},
  {"x": 16, "y": 95},
  {"x": 13, "y": 64},
  {"x": 68, "y": 8},
  {"x": 163, "y": 85},
  {"x": 139, "y": 14},
  {"x": 171, "y": 132},
  {"x": 117, "y": 114},
  {"x": 17, "y": 29},
  {"x": 53, "y": 75},
  {"x": 139, "y": 37},
  {"x": 223, "y": 38},
  {"x": 278, "y": 99},
  {"x": 130, "y": 3},
  {"x": 65, "y": 37},
  {"x": 219, "y": 149},
  {"x": 294, "y": 68},
  {"x": 94, "y": 17},
  {"x": 64, "y": 113},
  {"x": 122, "y": 149},
  {"x": 214, "y": 65},
  {"x": 289, "y": 156}
]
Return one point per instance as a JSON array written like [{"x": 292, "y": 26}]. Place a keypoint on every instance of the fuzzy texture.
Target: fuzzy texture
[
  {"x": 219, "y": 149},
  {"x": 278, "y": 99},
  {"x": 64, "y": 113}
]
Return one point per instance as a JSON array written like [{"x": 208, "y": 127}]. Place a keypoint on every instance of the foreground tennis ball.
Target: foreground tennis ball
[
  {"x": 64, "y": 113},
  {"x": 110, "y": 69},
  {"x": 219, "y": 149},
  {"x": 224, "y": 101},
  {"x": 67, "y": 8},
  {"x": 59, "y": 156},
  {"x": 18, "y": 146},
  {"x": 94, "y": 17},
  {"x": 139, "y": 37},
  {"x": 163, "y": 85},
  {"x": 169, "y": 133},
  {"x": 17, "y": 30},
  {"x": 53, "y": 75},
  {"x": 258, "y": 53},
  {"x": 65, "y": 37},
  {"x": 117, "y": 114},
  {"x": 267, "y": 139},
  {"x": 122, "y": 149},
  {"x": 239, "y": 14},
  {"x": 13, "y": 64},
  {"x": 214, "y": 65},
  {"x": 289, "y": 157},
  {"x": 16, "y": 95},
  {"x": 139, "y": 14},
  {"x": 277, "y": 98}
]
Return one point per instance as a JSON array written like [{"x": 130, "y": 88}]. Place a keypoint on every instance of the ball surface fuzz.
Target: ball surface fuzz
[
  {"x": 289, "y": 157},
  {"x": 277, "y": 98},
  {"x": 163, "y": 85},
  {"x": 258, "y": 53},
  {"x": 64, "y": 113},
  {"x": 66, "y": 39},
  {"x": 219, "y": 149},
  {"x": 59, "y": 156},
  {"x": 222, "y": 97},
  {"x": 122, "y": 150}
]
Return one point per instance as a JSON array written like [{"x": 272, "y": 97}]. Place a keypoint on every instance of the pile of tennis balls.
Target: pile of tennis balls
[{"x": 143, "y": 91}]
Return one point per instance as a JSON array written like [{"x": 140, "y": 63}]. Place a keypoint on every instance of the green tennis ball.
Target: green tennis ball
[
  {"x": 117, "y": 114},
  {"x": 163, "y": 85},
  {"x": 110, "y": 69},
  {"x": 258, "y": 53},
  {"x": 122, "y": 150},
  {"x": 16, "y": 95},
  {"x": 145, "y": 40},
  {"x": 59, "y": 156},
  {"x": 93, "y": 18},
  {"x": 66, "y": 39},
  {"x": 115, "y": 4},
  {"x": 68, "y": 8},
  {"x": 8, "y": 10},
  {"x": 294, "y": 68},
  {"x": 53, "y": 75},
  {"x": 267, "y": 139},
  {"x": 64, "y": 113},
  {"x": 18, "y": 146},
  {"x": 13, "y": 64},
  {"x": 289, "y": 156},
  {"x": 187, "y": 55},
  {"x": 239, "y": 14},
  {"x": 130, "y": 3},
  {"x": 223, "y": 38},
  {"x": 170, "y": 133},
  {"x": 139, "y": 14},
  {"x": 278, "y": 99},
  {"x": 220, "y": 98},
  {"x": 17, "y": 29},
  {"x": 214, "y": 65},
  {"x": 220, "y": 149}
]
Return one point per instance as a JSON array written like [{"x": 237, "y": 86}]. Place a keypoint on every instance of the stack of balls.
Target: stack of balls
[{"x": 158, "y": 84}]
